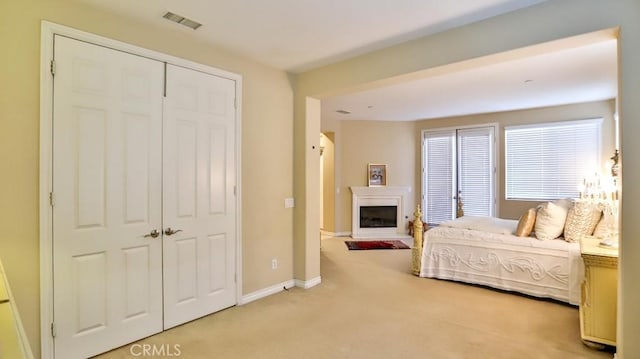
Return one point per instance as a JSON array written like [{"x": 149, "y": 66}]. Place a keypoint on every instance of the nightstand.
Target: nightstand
[{"x": 598, "y": 305}]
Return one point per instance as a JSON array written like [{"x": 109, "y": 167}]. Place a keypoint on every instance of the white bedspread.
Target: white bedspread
[{"x": 458, "y": 251}]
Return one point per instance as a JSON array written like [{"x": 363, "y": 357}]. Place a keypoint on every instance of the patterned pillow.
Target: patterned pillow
[
  {"x": 550, "y": 219},
  {"x": 526, "y": 223},
  {"x": 582, "y": 219}
]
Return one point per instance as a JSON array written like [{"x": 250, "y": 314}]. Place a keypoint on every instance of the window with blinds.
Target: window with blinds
[
  {"x": 548, "y": 161},
  {"x": 459, "y": 165},
  {"x": 439, "y": 175},
  {"x": 475, "y": 171}
]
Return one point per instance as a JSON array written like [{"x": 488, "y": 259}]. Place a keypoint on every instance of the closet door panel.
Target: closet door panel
[
  {"x": 200, "y": 215},
  {"x": 107, "y": 187}
]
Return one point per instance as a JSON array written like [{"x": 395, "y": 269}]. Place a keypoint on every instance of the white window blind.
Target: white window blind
[
  {"x": 547, "y": 161},
  {"x": 459, "y": 165},
  {"x": 439, "y": 167},
  {"x": 475, "y": 170}
]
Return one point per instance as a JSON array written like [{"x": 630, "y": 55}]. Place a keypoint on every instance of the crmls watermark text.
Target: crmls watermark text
[{"x": 153, "y": 350}]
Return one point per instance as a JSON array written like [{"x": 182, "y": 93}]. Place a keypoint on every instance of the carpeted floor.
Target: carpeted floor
[{"x": 369, "y": 306}]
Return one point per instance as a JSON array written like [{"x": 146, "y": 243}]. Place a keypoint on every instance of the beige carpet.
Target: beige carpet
[{"x": 369, "y": 306}]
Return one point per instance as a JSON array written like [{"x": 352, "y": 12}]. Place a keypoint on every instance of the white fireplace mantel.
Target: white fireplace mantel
[{"x": 379, "y": 196}]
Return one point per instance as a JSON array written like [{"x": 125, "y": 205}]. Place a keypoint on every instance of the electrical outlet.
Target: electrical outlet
[{"x": 274, "y": 263}]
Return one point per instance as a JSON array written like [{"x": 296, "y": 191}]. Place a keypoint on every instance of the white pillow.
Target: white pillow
[{"x": 550, "y": 219}]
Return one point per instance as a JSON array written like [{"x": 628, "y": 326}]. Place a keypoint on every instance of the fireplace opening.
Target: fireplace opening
[{"x": 378, "y": 216}]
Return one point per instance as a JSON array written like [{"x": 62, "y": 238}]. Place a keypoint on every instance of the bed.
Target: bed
[{"x": 485, "y": 251}]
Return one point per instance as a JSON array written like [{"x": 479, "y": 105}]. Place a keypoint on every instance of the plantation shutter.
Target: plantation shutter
[{"x": 547, "y": 161}]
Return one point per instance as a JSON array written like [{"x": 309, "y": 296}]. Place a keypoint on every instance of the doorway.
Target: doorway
[
  {"x": 327, "y": 183},
  {"x": 459, "y": 173}
]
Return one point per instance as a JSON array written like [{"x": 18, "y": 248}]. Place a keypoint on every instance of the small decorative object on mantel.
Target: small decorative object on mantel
[{"x": 377, "y": 175}]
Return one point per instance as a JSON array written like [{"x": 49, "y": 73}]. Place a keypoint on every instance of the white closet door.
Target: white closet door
[
  {"x": 199, "y": 204},
  {"x": 107, "y": 190}
]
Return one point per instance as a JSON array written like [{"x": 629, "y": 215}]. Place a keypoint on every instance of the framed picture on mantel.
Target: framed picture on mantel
[{"x": 377, "y": 174}]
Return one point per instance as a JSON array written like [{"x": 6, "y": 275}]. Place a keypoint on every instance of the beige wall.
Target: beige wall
[
  {"x": 510, "y": 208},
  {"x": 551, "y": 20},
  {"x": 267, "y": 128},
  {"x": 359, "y": 143}
]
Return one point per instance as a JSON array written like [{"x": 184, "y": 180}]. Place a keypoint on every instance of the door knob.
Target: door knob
[
  {"x": 153, "y": 234},
  {"x": 170, "y": 231}
]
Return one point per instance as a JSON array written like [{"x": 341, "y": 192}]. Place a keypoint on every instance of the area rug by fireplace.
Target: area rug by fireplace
[{"x": 389, "y": 244}]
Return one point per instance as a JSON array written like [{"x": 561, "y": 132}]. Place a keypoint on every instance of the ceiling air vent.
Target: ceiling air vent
[
  {"x": 344, "y": 112},
  {"x": 182, "y": 20}
]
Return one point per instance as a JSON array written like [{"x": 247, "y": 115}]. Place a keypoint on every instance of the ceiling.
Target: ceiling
[
  {"x": 298, "y": 35},
  {"x": 563, "y": 75}
]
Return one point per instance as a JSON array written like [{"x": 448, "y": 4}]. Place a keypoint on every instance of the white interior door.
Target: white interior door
[
  {"x": 199, "y": 200},
  {"x": 107, "y": 191}
]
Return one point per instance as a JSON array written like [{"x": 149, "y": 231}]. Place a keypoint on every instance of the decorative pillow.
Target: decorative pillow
[
  {"x": 526, "y": 223},
  {"x": 581, "y": 220},
  {"x": 550, "y": 219},
  {"x": 605, "y": 225},
  {"x": 602, "y": 228}
]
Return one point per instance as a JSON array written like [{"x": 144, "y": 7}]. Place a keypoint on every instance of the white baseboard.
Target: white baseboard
[
  {"x": 342, "y": 234},
  {"x": 277, "y": 288},
  {"x": 265, "y": 292},
  {"x": 306, "y": 284},
  {"x": 335, "y": 234}
]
